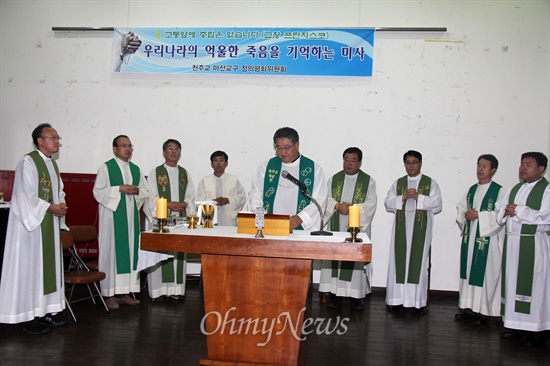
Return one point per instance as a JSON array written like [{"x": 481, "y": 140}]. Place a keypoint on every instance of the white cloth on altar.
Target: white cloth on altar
[
  {"x": 21, "y": 289},
  {"x": 539, "y": 319},
  {"x": 360, "y": 284},
  {"x": 151, "y": 261},
  {"x": 486, "y": 299},
  {"x": 410, "y": 294},
  {"x": 286, "y": 199},
  {"x": 109, "y": 198},
  {"x": 227, "y": 185}
]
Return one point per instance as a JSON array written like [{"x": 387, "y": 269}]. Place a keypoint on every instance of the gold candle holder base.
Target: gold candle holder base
[
  {"x": 161, "y": 228},
  {"x": 192, "y": 221},
  {"x": 207, "y": 213},
  {"x": 353, "y": 238}
]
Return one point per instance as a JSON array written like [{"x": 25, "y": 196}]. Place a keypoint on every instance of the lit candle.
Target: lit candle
[
  {"x": 162, "y": 208},
  {"x": 354, "y": 216}
]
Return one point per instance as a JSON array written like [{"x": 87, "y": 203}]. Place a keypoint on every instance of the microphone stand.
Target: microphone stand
[{"x": 321, "y": 213}]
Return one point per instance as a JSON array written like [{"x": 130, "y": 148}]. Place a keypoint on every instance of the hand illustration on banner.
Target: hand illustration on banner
[{"x": 129, "y": 44}]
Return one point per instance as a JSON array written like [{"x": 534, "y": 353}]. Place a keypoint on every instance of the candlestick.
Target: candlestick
[
  {"x": 161, "y": 228},
  {"x": 162, "y": 208},
  {"x": 353, "y": 238},
  {"x": 354, "y": 216}
]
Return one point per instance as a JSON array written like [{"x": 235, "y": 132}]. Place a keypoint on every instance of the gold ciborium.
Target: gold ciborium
[
  {"x": 207, "y": 215},
  {"x": 192, "y": 221}
]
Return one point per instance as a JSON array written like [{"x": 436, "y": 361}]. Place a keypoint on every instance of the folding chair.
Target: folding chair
[
  {"x": 81, "y": 276},
  {"x": 85, "y": 234}
]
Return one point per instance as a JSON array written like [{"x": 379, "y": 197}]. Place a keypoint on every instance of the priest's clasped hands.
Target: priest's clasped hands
[
  {"x": 58, "y": 210},
  {"x": 129, "y": 189},
  {"x": 411, "y": 193},
  {"x": 471, "y": 215},
  {"x": 221, "y": 201},
  {"x": 510, "y": 210}
]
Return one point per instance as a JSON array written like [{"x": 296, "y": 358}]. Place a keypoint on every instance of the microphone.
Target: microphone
[
  {"x": 303, "y": 188},
  {"x": 291, "y": 178}
]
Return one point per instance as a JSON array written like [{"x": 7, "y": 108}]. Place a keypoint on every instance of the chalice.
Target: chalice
[
  {"x": 192, "y": 220},
  {"x": 207, "y": 214}
]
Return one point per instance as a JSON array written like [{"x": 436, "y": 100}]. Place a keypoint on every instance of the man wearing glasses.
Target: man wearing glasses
[
  {"x": 120, "y": 189},
  {"x": 173, "y": 182},
  {"x": 415, "y": 199},
  {"x": 281, "y": 196},
  {"x": 32, "y": 276}
]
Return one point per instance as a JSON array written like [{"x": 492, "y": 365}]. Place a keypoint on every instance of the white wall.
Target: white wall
[{"x": 481, "y": 87}]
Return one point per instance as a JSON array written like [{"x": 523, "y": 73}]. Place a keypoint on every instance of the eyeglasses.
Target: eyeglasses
[
  {"x": 124, "y": 146},
  {"x": 173, "y": 149},
  {"x": 52, "y": 137},
  {"x": 284, "y": 148}
]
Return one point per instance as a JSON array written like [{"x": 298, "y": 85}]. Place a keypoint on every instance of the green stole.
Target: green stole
[
  {"x": 271, "y": 182},
  {"x": 47, "y": 224},
  {"x": 122, "y": 240},
  {"x": 359, "y": 196},
  {"x": 526, "y": 261},
  {"x": 481, "y": 251},
  {"x": 164, "y": 190},
  {"x": 418, "y": 237}
]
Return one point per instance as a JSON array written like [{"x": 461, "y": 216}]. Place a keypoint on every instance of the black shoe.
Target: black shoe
[
  {"x": 49, "y": 321},
  {"x": 534, "y": 339},
  {"x": 356, "y": 304},
  {"x": 421, "y": 311},
  {"x": 393, "y": 308},
  {"x": 480, "y": 320},
  {"x": 158, "y": 299},
  {"x": 334, "y": 301},
  {"x": 33, "y": 327},
  {"x": 512, "y": 334},
  {"x": 463, "y": 316},
  {"x": 177, "y": 297}
]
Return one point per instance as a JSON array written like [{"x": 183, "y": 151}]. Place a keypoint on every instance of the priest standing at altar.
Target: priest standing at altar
[
  {"x": 279, "y": 195},
  {"x": 223, "y": 188},
  {"x": 172, "y": 182},
  {"x": 350, "y": 186}
]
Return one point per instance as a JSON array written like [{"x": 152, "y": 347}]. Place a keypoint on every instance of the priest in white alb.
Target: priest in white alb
[
  {"x": 525, "y": 209},
  {"x": 166, "y": 278},
  {"x": 120, "y": 189},
  {"x": 414, "y": 199},
  {"x": 279, "y": 195},
  {"x": 350, "y": 186},
  {"x": 31, "y": 289},
  {"x": 481, "y": 248},
  {"x": 223, "y": 188}
]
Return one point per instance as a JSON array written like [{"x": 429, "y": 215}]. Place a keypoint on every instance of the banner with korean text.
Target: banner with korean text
[{"x": 273, "y": 51}]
